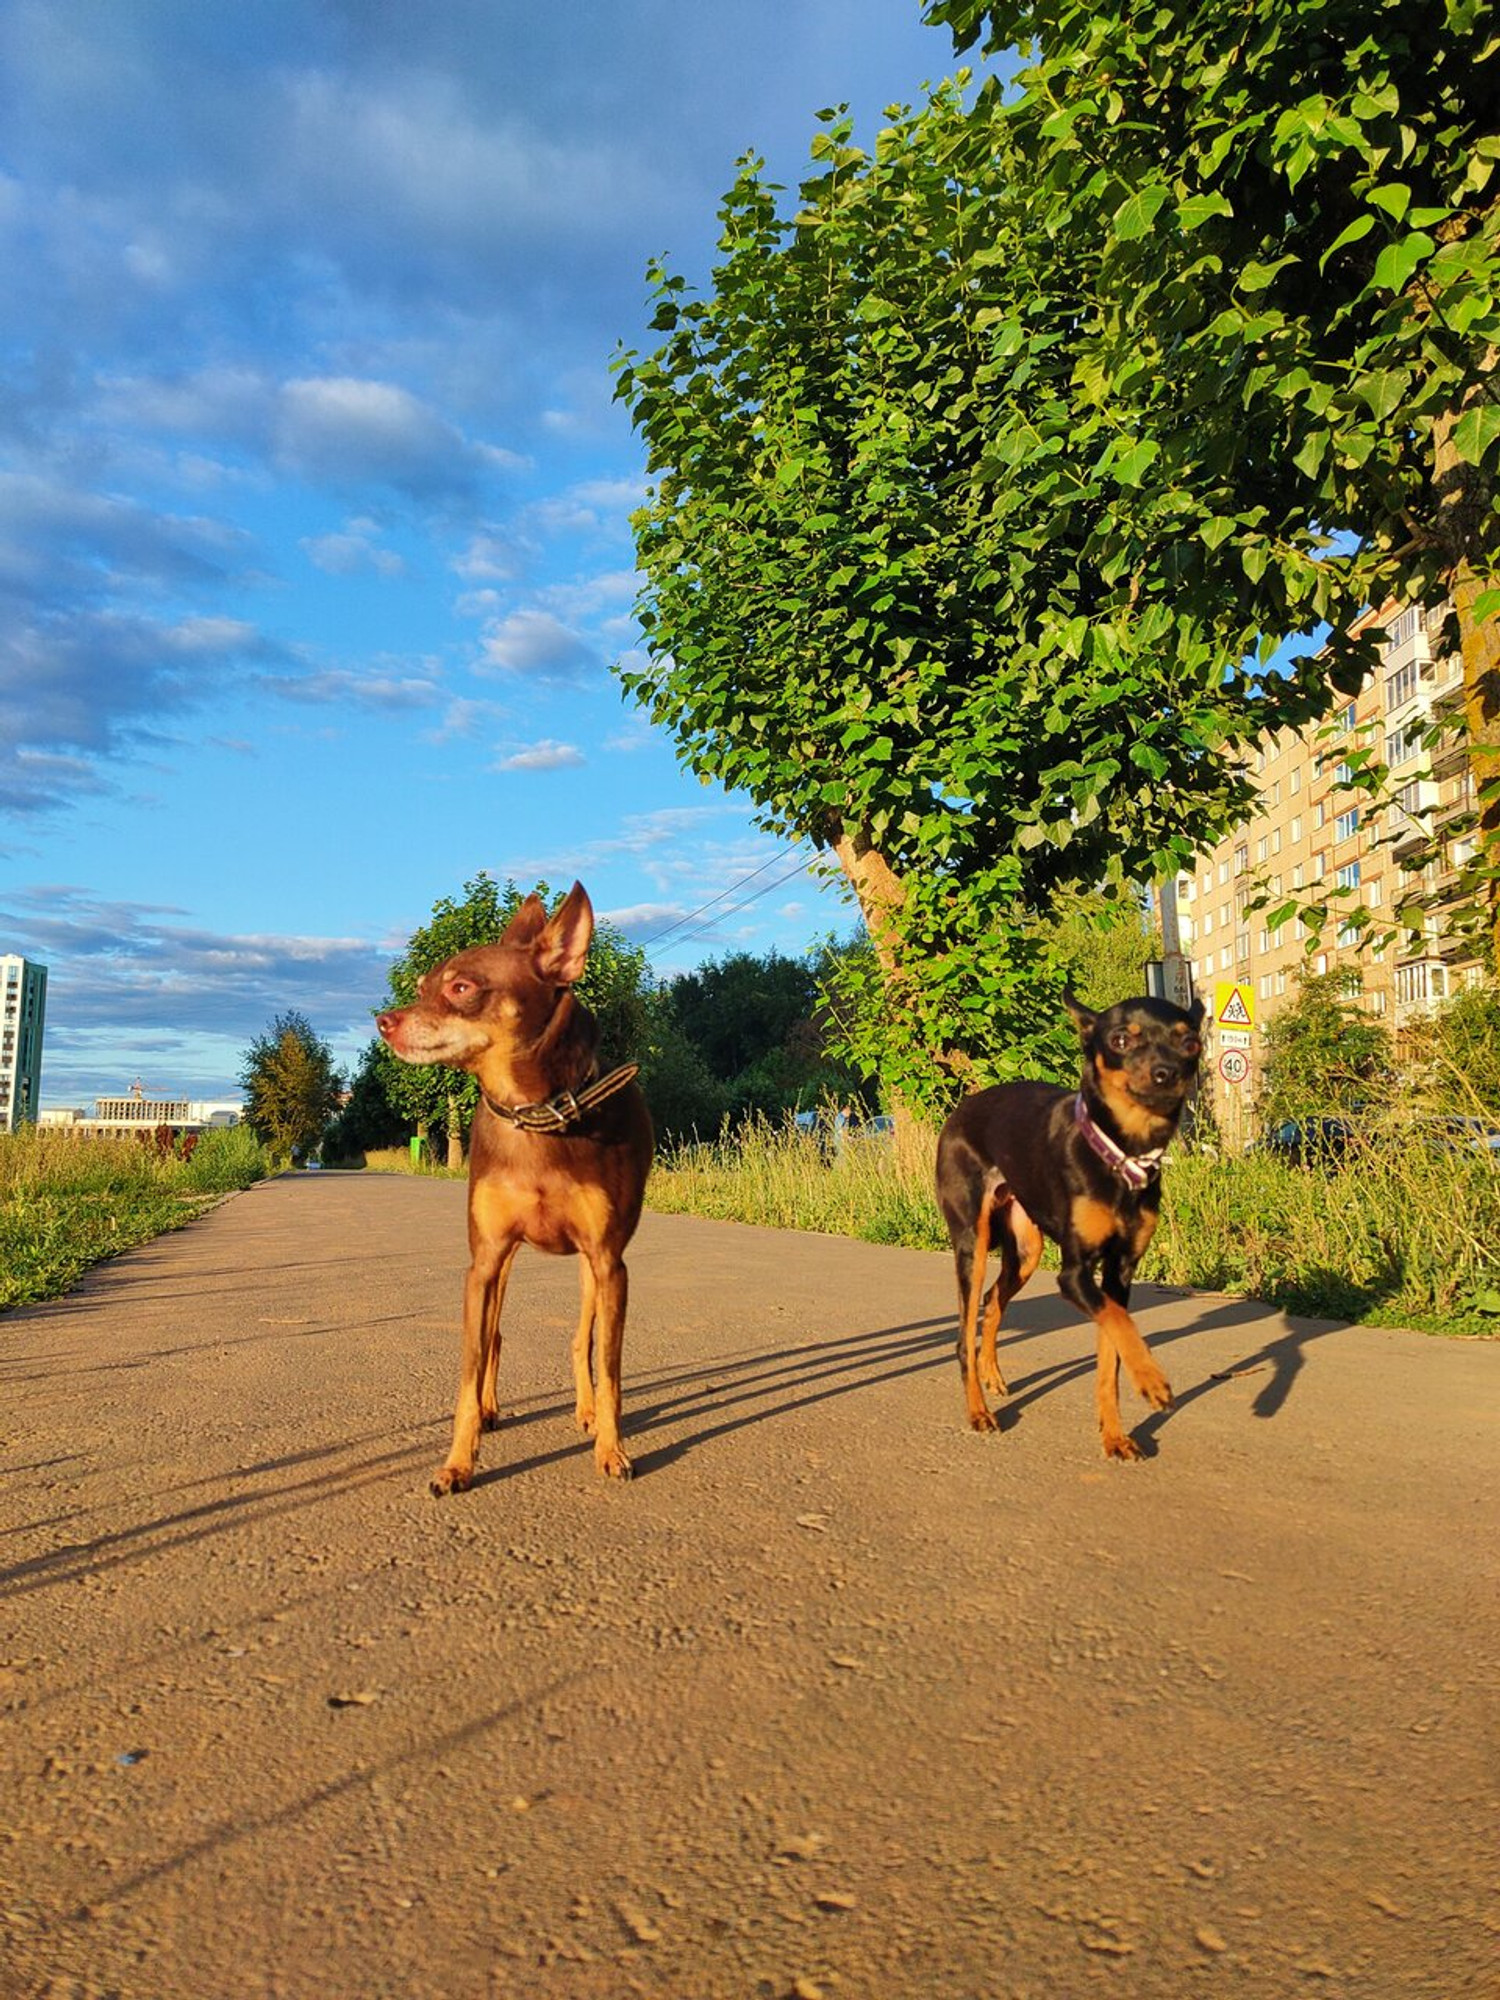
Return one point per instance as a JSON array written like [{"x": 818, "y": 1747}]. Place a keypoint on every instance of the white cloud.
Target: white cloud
[
  {"x": 547, "y": 755},
  {"x": 534, "y": 642},
  {"x": 352, "y": 552},
  {"x": 351, "y": 431},
  {"x": 336, "y": 685}
]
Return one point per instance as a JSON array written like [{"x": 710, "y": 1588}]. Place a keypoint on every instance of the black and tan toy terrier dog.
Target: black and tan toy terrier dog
[{"x": 1026, "y": 1160}]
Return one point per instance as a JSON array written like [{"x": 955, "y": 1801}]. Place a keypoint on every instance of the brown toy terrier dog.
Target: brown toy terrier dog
[
  {"x": 558, "y": 1155},
  {"x": 1083, "y": 1167}
]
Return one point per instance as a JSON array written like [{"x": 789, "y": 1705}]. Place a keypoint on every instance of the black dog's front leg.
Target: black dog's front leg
[{"x": 1119, "y": 1339}]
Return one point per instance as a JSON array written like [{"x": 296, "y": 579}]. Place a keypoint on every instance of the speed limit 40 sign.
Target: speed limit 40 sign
[{"x": 1234, "y": 1065}]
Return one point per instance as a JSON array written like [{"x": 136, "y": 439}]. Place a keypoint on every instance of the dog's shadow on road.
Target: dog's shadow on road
[{"x": 703, "y": 1403}]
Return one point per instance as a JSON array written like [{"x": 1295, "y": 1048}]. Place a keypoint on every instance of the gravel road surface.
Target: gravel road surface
[{"x": 834, "y": 1698}]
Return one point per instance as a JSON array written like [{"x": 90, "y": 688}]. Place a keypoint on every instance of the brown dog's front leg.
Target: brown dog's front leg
[
  {"x": 611, "y": 1286},
  {"x": 489, "y": 1402},
  {"x": 483, "y": 1289},
  {"x": 583, "y": 1351}
]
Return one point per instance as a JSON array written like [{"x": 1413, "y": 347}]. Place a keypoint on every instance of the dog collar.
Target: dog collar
[
  {"x": 566, "y": 1109},
  {"x": 1137, "y": 1170}
]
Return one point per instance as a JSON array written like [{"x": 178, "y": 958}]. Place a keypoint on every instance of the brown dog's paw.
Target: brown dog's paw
[
  {"x": 1117, "y": 1445},
  {"x": 451, "y": 1479},
  {"x": 586, "y": 1419},
  {"x": 489, "y": 1420},
  {"x": 983, "y": 1422},
  {"x": 612, "y": 1464},
  {"x": 993, "y": 1380}
]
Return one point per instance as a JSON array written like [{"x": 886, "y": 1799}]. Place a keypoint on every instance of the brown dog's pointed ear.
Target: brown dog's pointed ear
[
  {"x": 529, "y": 921},
  {"x": 562, "y": 950},
  {"x": 1083, "y": 1017}
]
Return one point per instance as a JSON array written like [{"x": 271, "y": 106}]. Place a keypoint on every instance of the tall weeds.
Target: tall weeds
[
  {"x": 65, "y": 1202},
  {"x": 1408, "y": 1233}
]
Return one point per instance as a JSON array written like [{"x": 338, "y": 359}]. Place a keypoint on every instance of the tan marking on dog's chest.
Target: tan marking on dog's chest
[{"x": 1093, "y": 1221}]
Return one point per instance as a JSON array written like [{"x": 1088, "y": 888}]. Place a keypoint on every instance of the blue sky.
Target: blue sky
[{"x": 314, "y": 554}]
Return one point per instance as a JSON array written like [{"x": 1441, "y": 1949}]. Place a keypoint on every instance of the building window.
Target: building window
[
  {"x": 1296, "y": 782},
  {"x": 1347, "y": 824},
  {"x": 1400, "y": 630},
  {"x": 1347, "y": 717},
  {"x": 1296, "y": 826},
  {"x": 1401, "y": 685},
  {"x": 1262, "y": 847},
  {"x": 1242, "y": 857},
  {"x": 1401, "y": 744}
]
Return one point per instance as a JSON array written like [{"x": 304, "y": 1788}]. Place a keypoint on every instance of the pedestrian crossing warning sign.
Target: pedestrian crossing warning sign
[{"x": 1234, "y": 1005}]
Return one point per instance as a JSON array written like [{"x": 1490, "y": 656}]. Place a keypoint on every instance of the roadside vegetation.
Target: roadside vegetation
[
  {"x": 1406, "y": 1234},
  {"x": 67, "y": 1203}
]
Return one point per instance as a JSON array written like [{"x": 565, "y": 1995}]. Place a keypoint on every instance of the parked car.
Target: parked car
[
  {"x": 1309, "y": 1142},
  {"x": 1462, "y": 1135}
]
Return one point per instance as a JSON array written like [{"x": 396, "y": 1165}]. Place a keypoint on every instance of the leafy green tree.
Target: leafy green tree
[
  {"x": 1286, "y": 224},
  {"x": 741, "y": 1008},
  {"x": 688, "y": 1102},
  {"x": 291, "y": 1086},
  {"x": 367, "y": 1118},
  {"x": 613, "y": 987},
  {"x": 1455, "y": 1053},
  {"x": 1323, "y": 1055},
  {"x": 883, "y": 596}
]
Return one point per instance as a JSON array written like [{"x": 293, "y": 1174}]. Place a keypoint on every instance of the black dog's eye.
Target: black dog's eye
[
  {"x": 1191, "y": 1046},
  {"x": 1119, "y": 1040}
]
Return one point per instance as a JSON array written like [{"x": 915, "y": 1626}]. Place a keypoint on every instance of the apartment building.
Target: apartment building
[
  {"x": 23, "y": 1016},
  {"x": 1314, "y": 835}
]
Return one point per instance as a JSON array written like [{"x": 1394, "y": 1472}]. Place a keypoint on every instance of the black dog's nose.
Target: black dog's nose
[{"x": 1163, "y": 1074}]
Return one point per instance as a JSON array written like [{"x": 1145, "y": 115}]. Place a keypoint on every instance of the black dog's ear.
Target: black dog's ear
[
  {"x": 1083, "y": 1017},
  {"x": 1195, "y": 1012}
]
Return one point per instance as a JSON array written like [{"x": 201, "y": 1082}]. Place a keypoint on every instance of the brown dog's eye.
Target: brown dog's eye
[
  {"x": 460, "y": 989},
  {"x": 1119, "y": 1040}
]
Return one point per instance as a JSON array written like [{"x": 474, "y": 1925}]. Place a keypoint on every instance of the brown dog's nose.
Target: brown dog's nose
[{"x": 384, "y": 1023}]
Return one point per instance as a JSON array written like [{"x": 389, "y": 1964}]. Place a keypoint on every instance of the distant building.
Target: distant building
[
  {"x": 1312, "y": 833},
  {"x": 136, "y": 1112},
  {"x": 23, "y": 1014}
]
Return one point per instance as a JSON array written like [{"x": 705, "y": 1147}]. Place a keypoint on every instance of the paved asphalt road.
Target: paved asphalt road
[{"x": 835, "y": 1698}]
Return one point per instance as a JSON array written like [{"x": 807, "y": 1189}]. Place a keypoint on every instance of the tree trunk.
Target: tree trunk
[
  {"x": 879, "y": 892},
  {"x": 455, "y": 1134}
]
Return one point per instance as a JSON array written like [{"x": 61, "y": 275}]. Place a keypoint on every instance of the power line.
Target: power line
[
  {"x": 678, "y": 923},
  {"x": 704, "y": 929}
]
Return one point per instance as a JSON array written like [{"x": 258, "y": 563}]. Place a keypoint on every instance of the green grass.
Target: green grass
[
  {"x": 398, "y": 1160},
  {"x": 67, "y": 1203},
  {"x": 1403, "y": 1237}
]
